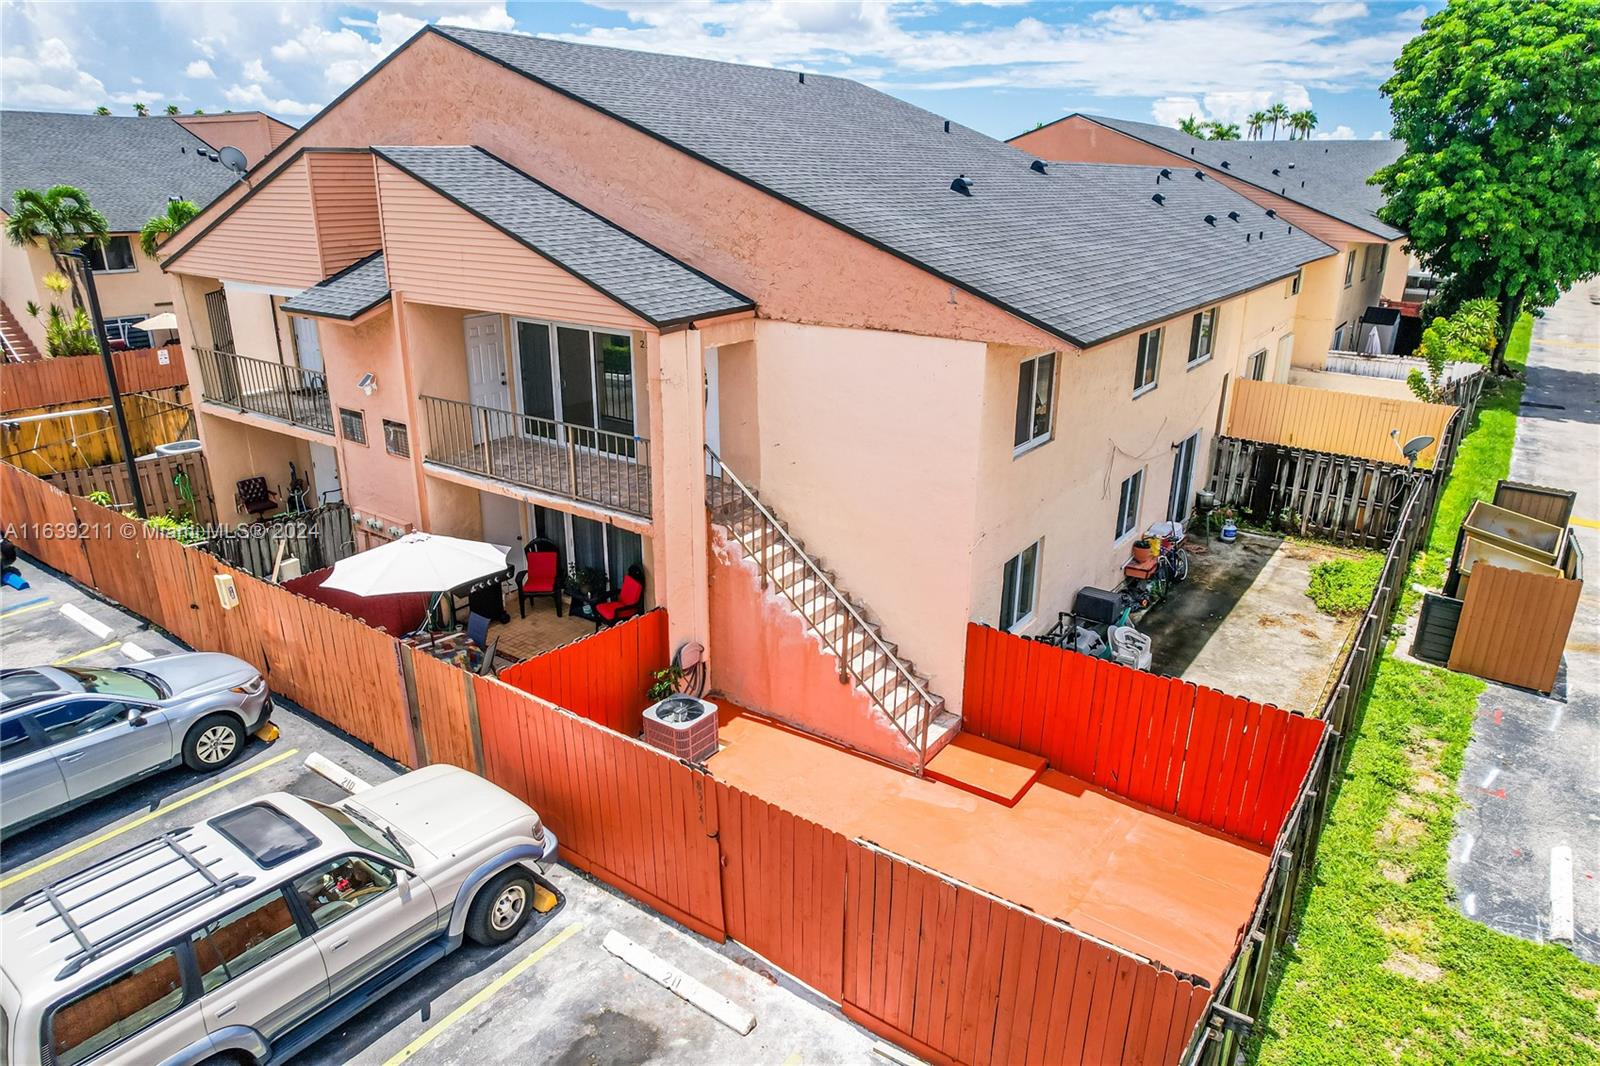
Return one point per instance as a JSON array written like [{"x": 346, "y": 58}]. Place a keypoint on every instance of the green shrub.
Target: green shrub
[{"x": 1345, "y": 586}]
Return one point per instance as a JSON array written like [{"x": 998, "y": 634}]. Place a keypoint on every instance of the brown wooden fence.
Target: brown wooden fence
[
  {"x": 604, "y": 677},
  {"x": 68, "y": 441},
  {"x": 162, "y": 480},
  {"x": 1514, "y": 625},
  {"x": 1337, "y": 497},
  {"x": 73, "y": 379},
  {"x": 947, "y": 970},
  {"x": 1324, "y": 420}
]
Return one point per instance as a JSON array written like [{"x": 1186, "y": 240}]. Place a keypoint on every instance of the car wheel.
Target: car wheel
[
  {"x": 214, "y": 742},
  {"x": 501, "y": 908}
]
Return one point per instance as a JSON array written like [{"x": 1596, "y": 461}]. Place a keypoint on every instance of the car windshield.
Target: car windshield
[
  {"x": 265, "y": 833},
  {"x": 364, "y": 832},
  {"x": 120, "y": 682}
]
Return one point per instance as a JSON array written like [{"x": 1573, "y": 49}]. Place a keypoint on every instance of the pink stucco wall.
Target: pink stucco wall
[{"x": 767, "y": 660}]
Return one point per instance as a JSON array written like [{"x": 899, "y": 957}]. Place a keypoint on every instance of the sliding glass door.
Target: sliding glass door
[
  {"x": 580, "y": 377},
  {"x": 590, "y": 545}
]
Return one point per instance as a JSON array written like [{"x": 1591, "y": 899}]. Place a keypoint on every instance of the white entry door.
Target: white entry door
[
  {"x": 325, "y": 473},
  {"x": 1285, "y": 358},
  {"x": 307, "y": 345},
  {"x": 486, "y": 364}
]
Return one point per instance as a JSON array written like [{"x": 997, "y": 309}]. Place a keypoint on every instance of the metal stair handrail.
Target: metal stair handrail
[{"x": 842, "y": 651}]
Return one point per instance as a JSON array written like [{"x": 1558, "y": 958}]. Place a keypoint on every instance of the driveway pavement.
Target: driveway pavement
[
  {"x": 1526, "y": 856},
  {"x": 552, "y": 995}
]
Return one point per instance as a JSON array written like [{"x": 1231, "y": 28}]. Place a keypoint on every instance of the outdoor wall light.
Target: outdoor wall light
[{"x": 368, "y": 383}]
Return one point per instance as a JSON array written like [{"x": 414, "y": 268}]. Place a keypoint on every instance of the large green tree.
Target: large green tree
[
  {"x": 1498, "y": 103},
  {"x": 60, "y": 216}
]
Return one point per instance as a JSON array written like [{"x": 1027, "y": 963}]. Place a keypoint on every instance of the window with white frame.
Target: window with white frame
[
  {"x": 1338, "y": 337},
  {"x": 1036, "y": 398},
  {"x": 1128, "y": 503},
  {"x": 1019, "y": 588},
  {"x": 1202, "y": 336},
  {"x": 1349, "y": 268},
  {"x": 115, "y": 255},
  {"x": 1147, "y": 363},
  {"x": 1255, "y": 368}
]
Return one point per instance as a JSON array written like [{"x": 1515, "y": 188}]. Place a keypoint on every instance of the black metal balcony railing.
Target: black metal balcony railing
[
  {"x": 277, "y": 390},
  {"x": 575, "y": 462}
]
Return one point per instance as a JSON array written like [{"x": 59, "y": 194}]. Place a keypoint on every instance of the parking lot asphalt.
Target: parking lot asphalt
[{"x": 552, "y": 995}]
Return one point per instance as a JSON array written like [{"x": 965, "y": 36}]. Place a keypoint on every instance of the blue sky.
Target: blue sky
[{"x": 1000, "y": 67}]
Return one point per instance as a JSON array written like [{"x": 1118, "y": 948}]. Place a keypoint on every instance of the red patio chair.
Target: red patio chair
[
  {"x": 543, "y": 577},
  {"x": 628, "y": 603}
]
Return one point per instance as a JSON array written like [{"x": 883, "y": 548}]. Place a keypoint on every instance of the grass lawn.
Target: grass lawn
[
  {"x": 1384, "y": 968},
  {"x": 1345, "y": 586}
]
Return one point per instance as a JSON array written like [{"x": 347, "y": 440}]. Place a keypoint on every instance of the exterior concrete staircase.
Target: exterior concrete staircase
[
  {"x": 14, "y": 339},
  {"x": 891, "y": 683}
]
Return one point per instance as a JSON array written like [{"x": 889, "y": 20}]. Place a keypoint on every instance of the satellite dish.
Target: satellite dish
[
  {"x": 1411, "y": 448},
  {"x": 233, "y": 159}
]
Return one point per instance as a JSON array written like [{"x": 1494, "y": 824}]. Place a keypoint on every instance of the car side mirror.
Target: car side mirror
[
  {"x": 136, "y": 717},
  {"x": 402, "y": 880}
]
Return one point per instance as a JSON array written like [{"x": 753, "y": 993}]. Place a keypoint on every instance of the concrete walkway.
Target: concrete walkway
[{"x": 1526, "y": 857}]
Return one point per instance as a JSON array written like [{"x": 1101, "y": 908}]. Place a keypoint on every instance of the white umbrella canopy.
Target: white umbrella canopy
[
  {"x": 165, "y": 320},
  {"x": 417, "y": 562}
]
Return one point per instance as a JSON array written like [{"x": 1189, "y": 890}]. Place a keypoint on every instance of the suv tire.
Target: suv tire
[
  {"x": 501, "y": 908},
  {"x": 213, "y": 742}
]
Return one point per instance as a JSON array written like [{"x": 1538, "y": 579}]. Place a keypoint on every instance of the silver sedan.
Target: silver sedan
[{"x": 68, "y": 735}]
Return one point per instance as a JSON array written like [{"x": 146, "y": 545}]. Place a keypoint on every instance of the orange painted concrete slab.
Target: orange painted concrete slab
[
  {"x": 1140, "y": 879},
  {"x": 986, "y": 768}
]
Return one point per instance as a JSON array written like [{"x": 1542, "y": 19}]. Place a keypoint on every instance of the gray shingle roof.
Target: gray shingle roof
[
  {"x": 642, "y": 278},
  {"x": 1084, "y": 258},
  {"x": 127, "y": 166},
  {"x": 1329, "y": 176},
  {"x": 347, "y": 295}
]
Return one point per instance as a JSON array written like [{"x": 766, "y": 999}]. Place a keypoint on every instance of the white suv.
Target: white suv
[{"x": 247, "y": 937}]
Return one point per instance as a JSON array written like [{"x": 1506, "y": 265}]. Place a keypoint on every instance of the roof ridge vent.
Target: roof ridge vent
[
  {"x": 962, "y": 185},
  {"x": 1160, "y": 200},
  {"x": 1211, "y": 220},
  {"x": 1037, "y": 166}
]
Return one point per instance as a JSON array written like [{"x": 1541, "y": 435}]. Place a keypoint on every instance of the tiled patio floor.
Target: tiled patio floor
[
  {"x": 620, "y": 483},
  {"x": 1142, "y": 880},
  {"x": 541, "y": 631}
]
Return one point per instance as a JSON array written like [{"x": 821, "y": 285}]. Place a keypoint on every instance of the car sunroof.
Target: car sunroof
[{"x": 265, "y": 833}]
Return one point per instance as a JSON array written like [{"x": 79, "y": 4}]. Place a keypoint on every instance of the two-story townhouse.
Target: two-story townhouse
[
  {"x": 129, "y": 167},
  {"x": 1320, "y": 186},
  {"x": 959, "y": 378}
]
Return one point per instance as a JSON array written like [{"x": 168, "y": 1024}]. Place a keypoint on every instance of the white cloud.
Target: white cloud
[
  {"x": 254, "y": 70},
  {"x": 1338, "y": 133},
  {"x": 1170, "y": 110},
  {"x": 253, "y": 97},
  {"x": 1338, "y": 12},
  {"x": 199, "y": 69},
  {"x": 50, "y": 78}
]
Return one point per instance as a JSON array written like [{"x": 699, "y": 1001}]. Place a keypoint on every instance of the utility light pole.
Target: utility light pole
[{"x": 111, "y": 380}]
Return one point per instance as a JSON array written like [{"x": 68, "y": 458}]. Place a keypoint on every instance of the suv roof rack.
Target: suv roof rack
[{"x": 177, "y": 877}]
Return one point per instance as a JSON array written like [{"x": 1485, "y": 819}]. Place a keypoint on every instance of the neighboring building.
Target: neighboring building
[
  {"x": 130, "y": 168},
  {"x": 964, "y": 379},
  {"x": 1318, "y": 186}
]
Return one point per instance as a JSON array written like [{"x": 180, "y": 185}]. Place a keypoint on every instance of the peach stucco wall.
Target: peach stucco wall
[
  {"x": 344, "y": 197},
  {"x": 1065, "y": 492},
  {"x": 271, "y": 240},
  {"x": 235, "y": 450},
  {"x": 1078, "y": 140},
  {"x": 249, "y": 131},
  {"x": 143, "y": 291},
  {"x": 793, "y": 265},
  {"x": 21, "y": 269},
  {"x": 438, "y": 253},
  {"x": 769, "y": 661},
  {"x": 867, "y": 450}
]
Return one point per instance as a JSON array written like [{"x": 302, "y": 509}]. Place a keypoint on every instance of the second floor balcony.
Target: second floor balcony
[
  {"x": 265, "y": 387},
  {"x": 575, "y": 462}
]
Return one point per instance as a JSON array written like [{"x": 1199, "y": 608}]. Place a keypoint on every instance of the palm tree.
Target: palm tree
[
  {"x": 102, "y": 110},
  {"x": 1303, "y": 122},
  {"x": 141, "y": 110},
  {"x": 172, "y": 109},
  {"x": 165, "y": 225},
  {"x": 199, "y": 110},
  {"x": 1256, "y": 123},
  {"x": 62, "y": 218},
  {"x": 1193, "y": 127},
  {"x": 1223, "y": 131},
  {"x": 1277, "y": 114}
]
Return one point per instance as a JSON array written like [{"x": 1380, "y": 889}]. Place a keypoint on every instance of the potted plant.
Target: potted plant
[
  {"x": 587, "y": 583},
  {"x": 666, "y": 682}
]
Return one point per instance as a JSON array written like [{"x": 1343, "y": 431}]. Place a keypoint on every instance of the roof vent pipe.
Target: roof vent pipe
[
  {"x": 1247, "y": 237},
  {"x": 802, "y": 77},
  {"x": 947, "y": 125},
  {"x": 962, "y": 185},
  {"x": 1211, "y": 220},
  {"x": 1159, "y": 199},
  {"x": 1302, "y": 184},
  {"x": 1037, "y": 166}
]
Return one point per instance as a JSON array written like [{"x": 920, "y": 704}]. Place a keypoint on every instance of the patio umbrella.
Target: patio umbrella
[
  {"x": 1373, "y": 345},
  {"x": 165, "y": 320},
  {"x": 417, "y": 562}
]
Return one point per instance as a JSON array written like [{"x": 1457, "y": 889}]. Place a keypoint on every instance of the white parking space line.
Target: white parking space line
[
  {"x": 134, "y": 652},
  {"x": 72, "y": 611},
  {"x": 1561, "y": 922},
  {"x": 1464, "y": 847},
  {"x": 1488, "y": 778}
]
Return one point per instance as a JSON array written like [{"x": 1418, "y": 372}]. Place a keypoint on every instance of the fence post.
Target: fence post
[
  {"x": 408, "y": 684},
  {"x": 475, "y": 725}
]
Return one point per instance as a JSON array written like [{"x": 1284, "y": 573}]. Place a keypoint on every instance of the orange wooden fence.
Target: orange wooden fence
[
  {"x": 81, "y": 377},
  {"x": 1323, "y": 420},
  {"x": 1514, "y": 626},
  {"x": 604, "y": 677},
  {"x": 1214, "y": 759},
  {"x": 947, "y": 970}
]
